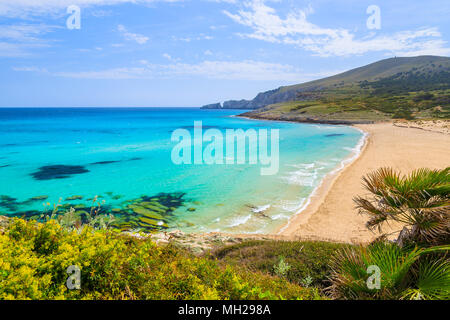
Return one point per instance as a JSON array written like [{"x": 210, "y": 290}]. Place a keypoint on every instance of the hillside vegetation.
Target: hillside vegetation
[
  {"x": 396, "y": 88},
  {"x": 35, "y": 257}
]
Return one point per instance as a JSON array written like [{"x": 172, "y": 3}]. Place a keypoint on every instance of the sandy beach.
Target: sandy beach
[{"x": 331, "y": 213}]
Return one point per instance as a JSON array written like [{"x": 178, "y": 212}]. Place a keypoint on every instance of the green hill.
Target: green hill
[
  {"x": 425, "y": 65},
  {"x": 412, "y": 87}
]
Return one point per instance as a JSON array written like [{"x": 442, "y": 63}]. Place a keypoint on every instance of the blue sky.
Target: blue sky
[{"x": 188, "y": 53}]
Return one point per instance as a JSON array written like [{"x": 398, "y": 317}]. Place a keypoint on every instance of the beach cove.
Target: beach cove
[
  {"x": 332, "y": 214},
  {"x": 123, "y": 156}
]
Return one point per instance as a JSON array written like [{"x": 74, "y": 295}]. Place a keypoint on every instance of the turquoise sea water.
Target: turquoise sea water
[{"x": 124, "y": 153}]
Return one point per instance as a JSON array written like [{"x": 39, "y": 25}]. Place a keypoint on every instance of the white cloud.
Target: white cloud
[
  {"x": 30, "y": 69},
  {"x": 24, "y": 32},
  {"x": 139, "y": 38},
  {"x": 25, "y": 8},
  {"x": 17, "y": 40},
  {"x": 224, "y": 70},
  {"x": 12, "y": 50},
  {"x": 169, "y": 57},
  {"x": 192, "y": 38},
  {"x": 295, "y": 29}
]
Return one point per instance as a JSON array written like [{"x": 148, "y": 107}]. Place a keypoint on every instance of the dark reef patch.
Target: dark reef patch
[
  {"x": 334, "y": 135},
  {"x": 146, "y": 213},
  {"x": 6, "y": 165},
  {"x": 113, "y": 161},
  {"x": 103, "y": 162},
  {"x": 57, "y": 172},
  {"x": 9, "y": 203},
  {"x": 39, "y": 198},
  {"x": 31, "y": 143}
]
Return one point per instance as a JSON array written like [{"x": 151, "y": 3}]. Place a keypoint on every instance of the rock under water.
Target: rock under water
[{"x": 57, "y": 172}]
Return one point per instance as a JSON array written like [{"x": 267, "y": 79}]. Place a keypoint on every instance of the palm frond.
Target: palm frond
[
  {"x": 433, "y": 281},
  {"x": 420, "y": 200}
]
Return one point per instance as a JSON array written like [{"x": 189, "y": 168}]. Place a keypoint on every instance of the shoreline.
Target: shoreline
[
  {"x": 319, "y": 193},
  {"x": 331, "y": 212},
  {"x": 246, "y": 115}
]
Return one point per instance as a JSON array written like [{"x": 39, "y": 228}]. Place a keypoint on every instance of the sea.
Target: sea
[{"x": 119, "y": 157}]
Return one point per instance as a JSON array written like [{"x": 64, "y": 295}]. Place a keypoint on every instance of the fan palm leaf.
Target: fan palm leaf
[
  {"x": 420, "y": 200},
  {"x": 433, "y": 280},
  {"x": 397, "y": 278}
]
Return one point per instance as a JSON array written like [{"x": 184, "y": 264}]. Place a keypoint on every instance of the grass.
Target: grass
[
  {"x": 306, "y": 259},
  {"x": 358, "y": 105}
]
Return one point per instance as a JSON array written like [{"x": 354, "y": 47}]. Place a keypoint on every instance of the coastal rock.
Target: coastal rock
[
  {"x": 261, "y": 100},
  {"x": 236, "y": 104},
  {"x": 149, "y": 214},
  {"x": 38, "y": 198},
  {"x": 3, "y": 223},
  {"x": 213, "y": 106},
  {"x": 74, "y": 198}
]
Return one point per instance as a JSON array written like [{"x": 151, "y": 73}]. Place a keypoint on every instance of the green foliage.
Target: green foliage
[
  {"x": 282, "y": 268},
  {"x": 417, "y": 265},
  {"x": 403, "y": 275},
  {"x": 420, "y": 200},
  {"x": 433, "y": 280},
  {"x": 34, "y": 258},
  {"x": 308, "y": 261},
  {"x": 403, "y": 114},
  {"x": 404, "y": 82}
]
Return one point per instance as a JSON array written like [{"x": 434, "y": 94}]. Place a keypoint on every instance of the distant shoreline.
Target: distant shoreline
[{"x": 306, "y": 120}]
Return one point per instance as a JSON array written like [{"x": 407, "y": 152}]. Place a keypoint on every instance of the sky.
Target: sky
[{"x": 187, "y": 53}]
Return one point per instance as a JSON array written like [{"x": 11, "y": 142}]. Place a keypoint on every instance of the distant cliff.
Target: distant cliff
[
  {"x": 261, "y": 100},
  {"x": 213, "y": 106}
]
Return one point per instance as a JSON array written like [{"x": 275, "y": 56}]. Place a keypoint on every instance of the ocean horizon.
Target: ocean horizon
[{"x": 122, "y": 156}]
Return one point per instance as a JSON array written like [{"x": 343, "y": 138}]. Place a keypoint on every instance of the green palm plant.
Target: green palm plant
[
  {"x": 433, "y": 280},
  {"x": 417, "y": 265},
  {"x": 420, "y": 201},
  {"x": 405, "y": 273}
]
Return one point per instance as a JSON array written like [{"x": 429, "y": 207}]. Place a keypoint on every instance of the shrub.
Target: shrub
[
  {"x": 308, "y": 261},
  {"x": 404, "y": 273},
  {"x": 34, "y": 258},
  {"x": 417, "y": 265}
]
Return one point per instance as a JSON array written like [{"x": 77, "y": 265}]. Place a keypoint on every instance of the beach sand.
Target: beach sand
[{"x": 331, "y": 213}]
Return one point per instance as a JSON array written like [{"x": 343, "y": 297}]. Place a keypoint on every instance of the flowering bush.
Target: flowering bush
[{"x": 34, "y": 258}]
